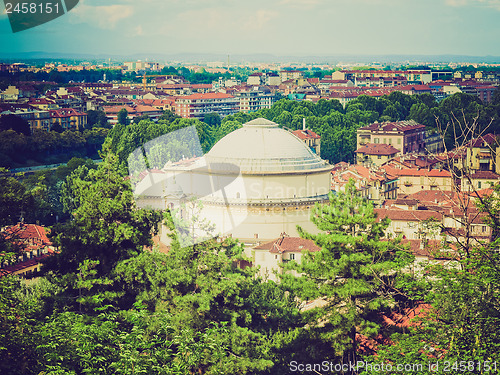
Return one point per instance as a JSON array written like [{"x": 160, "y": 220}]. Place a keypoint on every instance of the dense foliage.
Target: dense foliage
[
  {"x": 43, "y": 147},
  {"x": 109, "y": 303}
]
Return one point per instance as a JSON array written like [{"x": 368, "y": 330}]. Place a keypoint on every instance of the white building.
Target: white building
[{"x": 254, "y": 184}]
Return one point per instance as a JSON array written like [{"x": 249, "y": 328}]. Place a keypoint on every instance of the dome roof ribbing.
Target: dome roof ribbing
[{"x": 262, "y": 146}]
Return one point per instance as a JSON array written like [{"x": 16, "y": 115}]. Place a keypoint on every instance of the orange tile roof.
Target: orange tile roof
[
  {"x": 306, "y": 134},
  {"x": 208, "y": 95},
  {"x": 407, "y": 215},
  {"x": 286, "y": 244},
  {"x": 377, "y": 149}
]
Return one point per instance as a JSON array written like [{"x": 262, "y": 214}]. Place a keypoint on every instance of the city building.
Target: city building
[
  {"x": 376, "y": 186},
  {"x": 286, "y": 75},
  {"x": 406, "y": 136},
  {"x": 413, "y": 180},
  {"x": 34, "y": 247},
  {"x": 254, "y": 100},
  {"x": 479, "y": 180},
  {"x": 310, "y": 138},
  {"x": 270, "y": 256},
  {"x": 198, "y": 105},
  {"x": 374, "y": 155},
  {"x": 255, "y": 183},
  {"x": 68, "y": 118},
  {"x": 434, "y": 142},
  {"x": 36, "y": 119}
]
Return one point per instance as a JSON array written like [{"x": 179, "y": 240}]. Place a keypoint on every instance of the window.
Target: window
[
  {"x": 479, "y": 185},
  {"x": 256, "y": 235},
  {"x": 379, "y": 157},
  {"x": 376, "y": 140},
  {"x": 292, "y": 256}
]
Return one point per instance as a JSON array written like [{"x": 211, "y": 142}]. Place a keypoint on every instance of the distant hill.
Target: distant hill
[{"x": 252, "y": 58}]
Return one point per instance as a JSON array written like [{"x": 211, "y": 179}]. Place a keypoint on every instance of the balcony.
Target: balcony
[{"x": 483, "y": 155}]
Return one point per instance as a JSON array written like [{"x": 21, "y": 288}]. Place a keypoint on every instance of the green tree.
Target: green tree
[
  {"x": 352, "y": 274},
  {"x": 212, "y": 119},
  {"x": 106, "y": 225},
  {"x": 122, "y": 117},
  {"x": 15, "y": 200},
  {"x": 17, "y": 347},
  {"x": 15, "y": 123},
  {"x": 168, "y": 116},
  {"x": 140, "y": 118},
  {"x": 96, "y": 119}
]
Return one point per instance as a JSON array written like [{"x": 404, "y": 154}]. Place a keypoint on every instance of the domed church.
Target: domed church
[{"x": 254, "y": 184}]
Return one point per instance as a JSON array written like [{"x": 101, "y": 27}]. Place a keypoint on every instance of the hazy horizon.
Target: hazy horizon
[{"x": 276, "y": 27}]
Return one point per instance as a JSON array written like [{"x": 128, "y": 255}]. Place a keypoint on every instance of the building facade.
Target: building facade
[
  {"x": 199, "y": 105},
  {"x": 406, "y": 136}
]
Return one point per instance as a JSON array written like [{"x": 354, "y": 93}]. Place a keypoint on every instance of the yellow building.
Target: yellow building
[
  {"x": 68, "y": 118},
  {"x": 413, "y": 180},
  {"x": 406, "y": 136},
  {"x": 479, "y": 180},
  {"x": 270, "y": 256},
  {"x": 482, "y": 153},
  {"x": 374, "y": 155}
]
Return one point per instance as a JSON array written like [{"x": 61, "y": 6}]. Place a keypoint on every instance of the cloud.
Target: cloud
[
  {"x": 139, "y": 31},
  {"x": 308, "y": 4},
  {"x": 495, "y": 4},
  {"x": 456, "y": 3},
  {"x": 103, "y": 16},
  {"x": 261, "y": 19}
]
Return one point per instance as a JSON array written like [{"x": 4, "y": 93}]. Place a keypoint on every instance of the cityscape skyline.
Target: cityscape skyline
[{"x": 277, "y": 27}]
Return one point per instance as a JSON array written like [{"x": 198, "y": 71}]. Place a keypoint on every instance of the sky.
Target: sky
[{"x": 277, "y": 27}]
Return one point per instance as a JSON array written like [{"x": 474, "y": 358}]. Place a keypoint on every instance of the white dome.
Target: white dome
[{"x": 262, "y": 146}]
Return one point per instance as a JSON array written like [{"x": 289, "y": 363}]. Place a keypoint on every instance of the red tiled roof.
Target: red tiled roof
[
  {"x": 416, "y": 173},
  {"x": 484, "y": 175},
  {"x": 306, "y": 134},
  {"x": 399, "y": 126},
  {"x": 25, "y": 232},
  {"x": 377, "y": 149},
  {"x": 407, "y": 215},
  {"x": 286, "y": 244},
  {"x": 208, "y": 95},
  {"x": 415, "y": 87},
  {"x": 435, "y": 196},
  {"x": 24, "y": 265},
  {"x": 65, "y": 112},
  {"x": 489, "y": 139}
]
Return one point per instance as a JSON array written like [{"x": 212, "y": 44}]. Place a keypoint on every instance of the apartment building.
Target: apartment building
[
  {"x": 68, "y": 118},
  {"x": 310, "y": 138},
  {"x": 377, "y": 186},
  {"x": 254, "y": 100},
  {"x": 374, "y": 155},
  {"x": 286, "y": 75},
  {"x": 271, "y": 255},
  {"x": 198, "y": 105},
  {"x": 413, "y": 180},
  {"x": 34, "y": 247},
  {"x": 36, "y": 119},
  {"x": 406, "y": 136}
]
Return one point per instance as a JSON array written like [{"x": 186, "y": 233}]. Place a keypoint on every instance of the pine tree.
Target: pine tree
[{"x": 353, "y": 273}]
